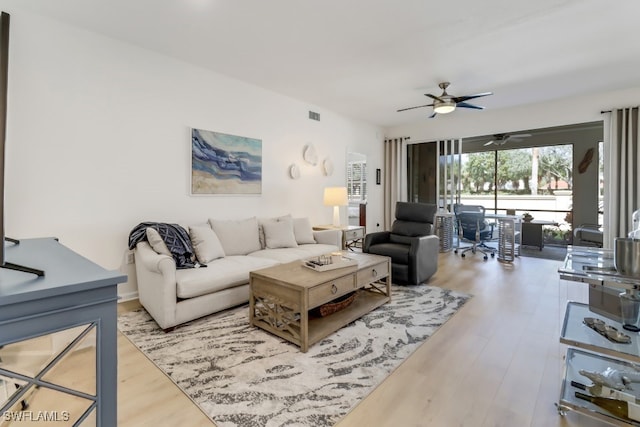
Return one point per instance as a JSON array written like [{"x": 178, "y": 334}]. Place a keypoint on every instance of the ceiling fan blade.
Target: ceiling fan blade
[
  {"x": 433, "y": 115},
  {"x": 437, "y": 98},
  {"x": 520, "y": 135},
  {"x": 468, "y": 97},
  {"x": 419, "y": 106},
  {"x": 465, "y": 105},
  {"x": 489, "y": 143}
]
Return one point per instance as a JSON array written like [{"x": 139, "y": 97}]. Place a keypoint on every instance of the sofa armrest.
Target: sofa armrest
[
  {"x": 151, "y": 260},
  {"x": 328, "y": 237},
  {"x": 374, "y": 239},
  {"x": 156, "y": 275}
]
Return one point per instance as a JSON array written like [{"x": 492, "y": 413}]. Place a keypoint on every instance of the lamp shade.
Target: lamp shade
[{"x": 335, "y": 196}]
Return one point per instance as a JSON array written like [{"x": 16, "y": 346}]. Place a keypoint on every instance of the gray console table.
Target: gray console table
[{"x": 58, "y": 336}]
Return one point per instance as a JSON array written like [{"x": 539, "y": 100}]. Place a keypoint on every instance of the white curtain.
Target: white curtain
[
  {"x": 621, "y": 173},
  {"x": 395, "y": 177}
]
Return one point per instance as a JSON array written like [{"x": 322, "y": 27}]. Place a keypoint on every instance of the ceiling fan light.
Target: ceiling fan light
[{"x": 444, "y": 107}]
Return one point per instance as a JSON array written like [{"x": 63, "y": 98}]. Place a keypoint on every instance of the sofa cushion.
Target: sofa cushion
[
  {"x": 156, "y": 242},
  {"x": 303, "y": 231},
  {"x": 205, "y": 243},
  {"x": 219, "y": 274},
  {"x": 238, "y": 237},
  {"x": 279, "y": 234}
]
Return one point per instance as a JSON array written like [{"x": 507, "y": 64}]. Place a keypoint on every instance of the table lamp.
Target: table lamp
[{"x": 336, "y": 197}]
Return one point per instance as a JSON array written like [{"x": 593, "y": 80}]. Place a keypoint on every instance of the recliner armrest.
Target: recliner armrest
[
  {"x": 424, "y": 251},
  {"x": 374, "y": 239}
]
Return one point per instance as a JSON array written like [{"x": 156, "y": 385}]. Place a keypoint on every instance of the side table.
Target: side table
[
  {"x": 445, "y": 230},
  {"x": 532, "y": 234},
  {"x": 352, "y": 235}
]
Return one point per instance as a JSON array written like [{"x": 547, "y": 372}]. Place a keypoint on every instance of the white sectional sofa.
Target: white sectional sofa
[{"x": 230, "y": 249}]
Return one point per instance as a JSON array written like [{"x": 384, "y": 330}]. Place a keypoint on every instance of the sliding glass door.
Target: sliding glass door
[{"x": 534, "y": 180}]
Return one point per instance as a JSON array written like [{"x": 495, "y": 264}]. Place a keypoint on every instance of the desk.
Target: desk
[
  {"x": 508, "y": 236},
  {"x": 69, "y": 314},
  {"x": 532, "y": 234}
]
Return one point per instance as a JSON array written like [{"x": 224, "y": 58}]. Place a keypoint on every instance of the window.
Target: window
[{"x": 357, "y": 181}]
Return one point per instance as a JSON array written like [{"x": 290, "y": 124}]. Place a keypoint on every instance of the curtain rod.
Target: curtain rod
[{"x": 609, "y": 111}]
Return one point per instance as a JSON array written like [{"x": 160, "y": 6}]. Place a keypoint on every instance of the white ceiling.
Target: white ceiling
[{"x": 368, "y": 58}]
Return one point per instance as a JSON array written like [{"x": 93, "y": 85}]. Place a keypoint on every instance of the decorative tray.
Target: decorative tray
[{"x": 326, "y": 263}]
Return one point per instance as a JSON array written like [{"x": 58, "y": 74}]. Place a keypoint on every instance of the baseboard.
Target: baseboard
[{"x": 127, "y": 297}]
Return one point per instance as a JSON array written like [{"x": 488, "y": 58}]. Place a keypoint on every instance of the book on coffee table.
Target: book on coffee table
[{"x": 319, "y": 264}]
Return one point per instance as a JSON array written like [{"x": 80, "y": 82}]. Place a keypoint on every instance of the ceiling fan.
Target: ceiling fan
[
  {"x": 446, "y": 103},
  {"x": 503, "y": 138}
]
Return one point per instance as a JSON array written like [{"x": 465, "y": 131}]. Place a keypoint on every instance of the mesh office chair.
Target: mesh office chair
[{"x": 472, "y": 228}]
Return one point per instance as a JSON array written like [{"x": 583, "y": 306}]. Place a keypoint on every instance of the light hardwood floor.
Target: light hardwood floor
[{"x": 497, "y": 362}]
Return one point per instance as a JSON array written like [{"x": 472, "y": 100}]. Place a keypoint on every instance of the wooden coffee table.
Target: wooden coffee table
[{"x": 281, "y": 296}]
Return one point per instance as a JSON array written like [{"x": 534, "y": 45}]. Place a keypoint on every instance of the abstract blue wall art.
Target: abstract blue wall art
[{"x": 225, "y": 164}]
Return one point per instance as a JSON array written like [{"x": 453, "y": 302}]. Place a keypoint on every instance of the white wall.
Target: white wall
[{"x": 98, "y": 140}]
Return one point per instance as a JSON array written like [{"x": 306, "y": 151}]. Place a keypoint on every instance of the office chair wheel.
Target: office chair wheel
[
  {"x": 493, "y": 254},
  {"x": 455, "y": 251},
  {"x": 462, "y": 255},
  {"x": 486, "y": 257}
]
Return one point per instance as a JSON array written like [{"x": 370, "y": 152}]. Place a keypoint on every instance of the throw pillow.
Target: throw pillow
[
  {"x": 205, "y": 242},
  {"x": 238, "y": 237},
  {"x": 303, "y": 231},
  {"x": 279, "y": 234},
  {"x": 156, "y": 242},
  {"x": 261, "y": 221}
]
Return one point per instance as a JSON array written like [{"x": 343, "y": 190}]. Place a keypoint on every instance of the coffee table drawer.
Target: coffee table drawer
[
  {"x": 331, "y": 290},
  {"x": 371, "y": 274}
]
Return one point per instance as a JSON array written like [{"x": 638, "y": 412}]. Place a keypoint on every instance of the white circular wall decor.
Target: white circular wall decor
[
  {"x": 327, "y": 166},
  {"x": 294, "y": 171},
  {"x": 309, "y": 154}
]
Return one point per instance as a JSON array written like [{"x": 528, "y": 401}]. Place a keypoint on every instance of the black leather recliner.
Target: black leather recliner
[{"x": 411, "y": 244}]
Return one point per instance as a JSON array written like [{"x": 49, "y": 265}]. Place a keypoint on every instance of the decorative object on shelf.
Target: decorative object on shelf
[
  {"x": 626, "y": 256},
  {"x": 609, "y": 332},
  {"x": 612, "y": 378},
  {"x": 527, "y": 217},
  {"x": 294, "y": 171},
  {"x": 604, "y": 391},
  {"x": 334, "y": 306},
  {"x": 619, "y": 408},
  {"x": 309, "y": 154},
  {"x": 327, "y": 167},
  {"x": 225, "y": 164},
  {"x": 630, "y": 310},
  {"x": 336, "y": 197}
]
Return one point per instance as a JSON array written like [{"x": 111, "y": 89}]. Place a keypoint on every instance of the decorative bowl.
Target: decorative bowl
[{"x": 626, "y": 256}]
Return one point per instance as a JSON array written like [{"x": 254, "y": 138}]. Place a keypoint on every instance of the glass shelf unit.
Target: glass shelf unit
[{"x": 594, "y": 267}]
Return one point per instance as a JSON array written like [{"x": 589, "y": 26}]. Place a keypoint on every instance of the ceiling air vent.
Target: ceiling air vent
[{"x": 314, "y": 116}]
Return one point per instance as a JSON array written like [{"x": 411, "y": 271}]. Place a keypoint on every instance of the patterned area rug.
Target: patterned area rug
[{"x": 244, "y": 376}]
